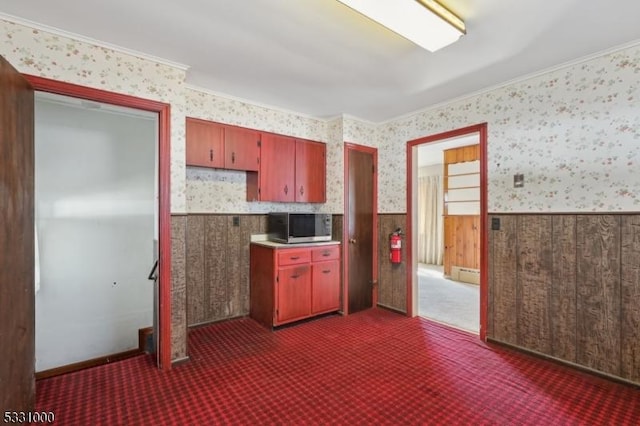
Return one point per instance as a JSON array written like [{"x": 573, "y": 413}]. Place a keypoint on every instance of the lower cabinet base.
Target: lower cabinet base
[{"x": 293, "y": 283}]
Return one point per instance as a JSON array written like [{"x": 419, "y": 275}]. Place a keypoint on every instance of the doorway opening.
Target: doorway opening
[
  {"x": 96, "y": 228},
  {"x": 446, "y": 209},
  {"x": 162, "y": 247}
]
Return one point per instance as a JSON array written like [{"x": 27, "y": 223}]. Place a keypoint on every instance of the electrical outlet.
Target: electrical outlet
[
  {"x": 518, "y": 180},
  {"x": 236, "y": 221},
  {"x": 495, "y": 223}
]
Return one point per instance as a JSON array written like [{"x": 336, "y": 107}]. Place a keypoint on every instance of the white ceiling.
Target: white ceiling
[{"x": 320, "y": 58}]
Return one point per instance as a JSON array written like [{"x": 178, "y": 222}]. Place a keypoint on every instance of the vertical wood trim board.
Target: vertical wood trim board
[
  {"x": 534, "y": 267},
  {"x": 630, "y": 293},
  {"x": 503, "y": 280},
  {"x": 563, "y": 288},
  {"x": 598, "y": 276}
]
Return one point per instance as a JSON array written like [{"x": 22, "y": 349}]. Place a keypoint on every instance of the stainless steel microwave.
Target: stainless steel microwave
[{"x": 294, "y": 228}]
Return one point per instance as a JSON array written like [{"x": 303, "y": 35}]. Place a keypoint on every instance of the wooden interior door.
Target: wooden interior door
[
  {"x": 361, "y": 230},
  {"x": 17, "y": 301}
]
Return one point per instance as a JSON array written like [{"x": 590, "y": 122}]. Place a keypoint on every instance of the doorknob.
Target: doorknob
[{"x": 352, "y": 240}]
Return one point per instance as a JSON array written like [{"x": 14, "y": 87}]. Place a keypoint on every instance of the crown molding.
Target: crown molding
[
  {"x": 89, "y": 40},
  {"x": 252, "y": 102},
  {"x": 516, "y": 80}
]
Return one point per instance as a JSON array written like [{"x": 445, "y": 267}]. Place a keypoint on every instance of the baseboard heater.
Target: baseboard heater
[{"x": 465, "y": 275}]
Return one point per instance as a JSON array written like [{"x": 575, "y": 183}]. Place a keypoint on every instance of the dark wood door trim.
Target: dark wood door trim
[
  {"x": 481, "y": 129},
  {"x": 164, "y": 184},
  {"x": 348, "y": 147},
  {"x": 17, "y": 273}
]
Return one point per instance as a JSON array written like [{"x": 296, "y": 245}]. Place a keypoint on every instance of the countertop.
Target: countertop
[{"x": 274, "y": 244}]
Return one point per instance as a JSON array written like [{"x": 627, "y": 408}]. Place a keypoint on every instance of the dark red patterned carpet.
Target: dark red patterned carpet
[{"x": 372, "y": 368}]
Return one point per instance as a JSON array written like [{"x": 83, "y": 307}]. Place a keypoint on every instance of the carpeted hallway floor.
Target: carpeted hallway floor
[{"x": 450, "y": 302}]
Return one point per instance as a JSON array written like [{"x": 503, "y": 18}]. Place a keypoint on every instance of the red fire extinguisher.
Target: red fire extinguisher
[{"x": 395, "y": 246}]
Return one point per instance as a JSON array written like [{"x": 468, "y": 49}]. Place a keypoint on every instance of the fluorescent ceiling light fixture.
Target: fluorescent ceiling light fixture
[{"x": 427, "y": 23}]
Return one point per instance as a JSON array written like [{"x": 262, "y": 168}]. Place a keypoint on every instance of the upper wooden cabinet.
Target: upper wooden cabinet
[
  {"x": 310, "y": 171},
  {"x": 282, "y": 168},
  {"x": 220, "y": 146},
  {"x": 241, "y": 149},
  {"x": 205, "y": 143},
  {"x": 276, "y": 179},
  {"x": 291, "y": 170}
]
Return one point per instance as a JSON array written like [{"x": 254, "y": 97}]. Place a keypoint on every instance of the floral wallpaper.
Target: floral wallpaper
[
  {"x": 224, "y": 191},
  {"x": 36, "y": 52},
  {"x": 574, "y": 133}
]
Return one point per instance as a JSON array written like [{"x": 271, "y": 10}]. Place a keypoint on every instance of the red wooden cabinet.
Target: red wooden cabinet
[
  {"x": 310, "y": 172},
  {"x": 293, "y": 293},
  {"x": 276, "y": 179},
  {"x": 221, "y": 146},
  {"x": 205, "y": 143},
  {"x": 325, "y": 276},
  {"x": 242, "y": 149},
  {"x": 290, "y": 284},
  {"x": 291, "y": 170}
]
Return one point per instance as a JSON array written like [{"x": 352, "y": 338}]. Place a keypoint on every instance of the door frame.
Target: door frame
[
  {"x": 412, "y": 154},
  {"x": 348, "y": 147},
  {"x": 164, "y": 189}
]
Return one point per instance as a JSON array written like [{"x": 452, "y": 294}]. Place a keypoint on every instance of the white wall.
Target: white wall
[{"x": 95, "y": 174}]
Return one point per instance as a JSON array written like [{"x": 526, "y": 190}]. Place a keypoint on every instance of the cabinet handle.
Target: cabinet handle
[
  {"x": 302, "y": 190},
  {"x": 286, "y": 189},
  {"x": 326, "y": 253},
  {"x": 294, "y": 257},
  {"x": 233, "y": 157},
  {"x": 326, "y": 271},
  {"x": 210, "y": 155},
  {"x": 295, "y": 276}
]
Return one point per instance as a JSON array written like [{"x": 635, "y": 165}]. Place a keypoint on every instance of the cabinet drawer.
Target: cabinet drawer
[
  {"x": 293, "y": 257},
  {"x": 325, "y": 253}
]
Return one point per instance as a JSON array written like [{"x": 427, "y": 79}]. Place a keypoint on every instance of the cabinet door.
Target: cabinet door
[
  {"x": 204, "y": 143},
  {"x": 325, "y": 285},
  {"x": 310, "y": 172},
  {"x": 293, "y": 293},
  {"x": 277, "y": 174},
  {"x": 241, "y": 149}
]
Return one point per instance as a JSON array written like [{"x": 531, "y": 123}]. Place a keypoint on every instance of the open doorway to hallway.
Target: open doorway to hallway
[
  {"x": 448, "y": 186},
  {"x": 445, "y": 207},
  {"x": 96, "y": 227}
]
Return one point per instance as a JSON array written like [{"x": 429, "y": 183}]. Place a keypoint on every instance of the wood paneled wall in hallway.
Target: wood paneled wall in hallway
[
  {"x": 392, "y": 278},
  {"x": 567, "y": 286}
]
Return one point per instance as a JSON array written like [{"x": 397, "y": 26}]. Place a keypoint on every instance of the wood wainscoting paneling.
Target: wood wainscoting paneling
[
  {"x": 392, "y": 278},
  {"x": 534, "y": 267},
  {"x": 567, "y": 286},
  {"x": 563, "y": 288},
  {"x": 503, "y": 280},
  {"x": 598, "y": 275},
  {"x": 178, "y": 289},
  {"x": 217, "y": 266}
]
